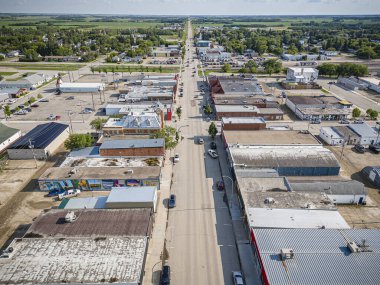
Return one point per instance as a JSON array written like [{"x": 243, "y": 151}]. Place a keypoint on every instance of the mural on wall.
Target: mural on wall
[{"x": 132, "y": 183}]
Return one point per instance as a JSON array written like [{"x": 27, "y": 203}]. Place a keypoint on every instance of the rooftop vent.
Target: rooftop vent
[
  {"x": 353, "y": 247},
  {"x": 286, "y": 253},
  {"x": 269, "y": 200},
  {"x": 70, "y": 217},
  {"x": 129, "y": 171}
]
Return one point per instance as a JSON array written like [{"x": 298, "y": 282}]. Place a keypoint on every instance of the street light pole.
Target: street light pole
[{"x": 232, "y": 189}]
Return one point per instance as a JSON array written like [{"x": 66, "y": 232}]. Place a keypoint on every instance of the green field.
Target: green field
[
  {"x": 5, "y": 73},
  {"x": 89, "y": 22},
  {"x": 42, "y": 66}
]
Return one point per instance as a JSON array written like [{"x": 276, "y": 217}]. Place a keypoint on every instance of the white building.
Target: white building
[
  {"x": 368, "y": 135},
  {"x": 301, "y": 75},
  {"x": 30, "y": 82},
  {"x": 372, "y": 83},
  {"x": 132, "y": 197},
  {"x": 331, "y": 136},
  {"x": 79, "y": 87},
  {"x": 8, "y": 136}
]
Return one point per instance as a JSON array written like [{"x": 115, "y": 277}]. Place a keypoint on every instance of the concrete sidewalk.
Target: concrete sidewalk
[
  {"x": 154, "y": 260},
  {"x": 246, "y": 257}
]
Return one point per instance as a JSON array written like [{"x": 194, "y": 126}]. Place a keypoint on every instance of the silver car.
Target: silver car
[{"x": 237, "y": 278}]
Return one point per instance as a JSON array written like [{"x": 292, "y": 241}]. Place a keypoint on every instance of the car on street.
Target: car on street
[
  {"x": 359, "y": 148},
  {"x": 201, "y": 141},
  {"x": 87, "y": 111},
  {"x": 176, "y": 157},
  {"x": 344, "y": 121},
  {"x": 237, "y": 277},
  {"x": 172, "y": 200},
  {"x": 375, "y": 148},
  {"x": 213, "y": 145},
  {"x": 220, "y": 185},
  {"x": 55, "y": 192},
  {"x": 165, "y": 275},
  {"x": 70, "y": 98},
  {"x": 52, "y": 117},
  {"x": 213, "y": 153}
]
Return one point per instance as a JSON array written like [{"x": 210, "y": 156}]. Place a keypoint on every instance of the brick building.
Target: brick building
[
  {"x": 270, "y": 114},
  {"x": 243, "y": 123},
  {"x": 136, "y": 147}
]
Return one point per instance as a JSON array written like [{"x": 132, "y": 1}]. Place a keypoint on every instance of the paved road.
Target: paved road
[{"x": 199, "y": 236}]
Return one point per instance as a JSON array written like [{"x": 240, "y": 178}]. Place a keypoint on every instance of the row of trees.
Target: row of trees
[
  {"x": 269, "y": 66},
  {"x": 373, "y": 114},
  {"x": 343, "y": 69}
]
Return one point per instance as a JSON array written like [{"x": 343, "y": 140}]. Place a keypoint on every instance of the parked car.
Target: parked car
[
  {"x": 87, "y": 111},
  {"x": 10, "y": 101},
  {"x": 165, "y": 275},
  {"x": 213, "y": 145},
  {"x": 344, "y": 121},
  {"x": 176, "y": 157},
  {"x": 22, "y": 106},
  {"x": 375, "y": 148},
  {"x": 21, "y": 112},
  {"x": 55, "y": 192},
  {"x": 237, "y": 277},
  {"x": 172, "y": 200},
  {"x": 34, "y": 105},
  {"x": 70, "y": 98},
  {"x": 220, "y": 185},
  {"x": 28, "y": 109},
  {"x": 213, "y": 153},
  {"x": 52, "y": 117},
  {"x": 359, "y": 148},
  {"x": 359, "y": 121},
  {"x": 69, "y": 193},
  {"x": 316, "y": 121},
  {"x": 201, "y": 141},
  {"x": 44, "y": 100},
  {"x": 122, "y": 98}
]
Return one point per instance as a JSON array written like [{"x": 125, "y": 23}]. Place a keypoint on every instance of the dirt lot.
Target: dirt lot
[{"x": 351, "y": 164}]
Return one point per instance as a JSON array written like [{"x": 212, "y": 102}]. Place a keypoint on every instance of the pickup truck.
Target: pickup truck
[{"x": 69, "y": 193}]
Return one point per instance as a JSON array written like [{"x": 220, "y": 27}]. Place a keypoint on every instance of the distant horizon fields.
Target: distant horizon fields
[{"x": 136, "y": 21}]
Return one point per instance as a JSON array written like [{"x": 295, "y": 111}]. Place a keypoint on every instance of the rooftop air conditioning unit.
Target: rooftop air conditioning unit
[
  {"x": 130, "y": 171},
  {"x": 353, "y": 246},
  {"x": 269, "y": 200},
  {"x": 286, "y": 253},
  {"x": 70, "y": 217}
]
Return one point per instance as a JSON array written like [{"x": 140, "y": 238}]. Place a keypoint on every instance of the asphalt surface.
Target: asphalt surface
[{"x": 199, "y": 236}]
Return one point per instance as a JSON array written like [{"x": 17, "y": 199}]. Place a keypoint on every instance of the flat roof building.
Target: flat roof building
[
  {"x": 243, "y": 123},
  {"x": 81, "y": 87},
  {"x": 136, "y": 147},
  {"x": 248, "y": 111}
]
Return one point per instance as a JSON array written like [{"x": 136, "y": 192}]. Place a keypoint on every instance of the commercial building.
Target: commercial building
[
  {"x": 80, "y": 87},
  {"x": 267, "y": 138},
  {"x": 287, "y": 160},
  {"x": 339, "y": 191},
  {"x": 202, "y": 43},
  {"x": 124, "y": 109},
  {"x": 8, "y": 136},
  {"x": 98, "y": 178},
  {"x": 29, "y": 82},
  {"x": 260, "y": 101},
  {"x": 301, "y": 75},
  {"x": 269, "y": 114},
  {"x": 371, "y": 83},
  {"x": 234, "y": 85},
  {"x": 242, "y": 123},
  {"x": 134, "y": 123},
  {"x": 132, "y": 197},
  {"x": 368, "y": 135},
  {"x": 352, "y": 83},
  {"x": 165, "y": 52},
  {"x": 317, "y": 256},
  {"x": 331, "y": 136},
  {"x": 319, "y": 107},
  {"x": 132, "y": 148},
  {"x": 40, "y": 142},
  {"x": 295, "y": 219}
]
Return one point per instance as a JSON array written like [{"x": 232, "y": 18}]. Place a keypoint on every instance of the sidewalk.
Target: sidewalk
[
  {"x": 246, "y": 257},
  {"x": 157, "y": 240}
]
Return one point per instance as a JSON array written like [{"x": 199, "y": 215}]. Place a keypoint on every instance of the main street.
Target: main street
[{"x": 200, "y": 239}]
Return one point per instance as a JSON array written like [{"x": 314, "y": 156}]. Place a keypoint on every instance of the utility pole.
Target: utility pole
[
  {"x": 31, "y": 146},
  {"x": 71, "y": 124}
]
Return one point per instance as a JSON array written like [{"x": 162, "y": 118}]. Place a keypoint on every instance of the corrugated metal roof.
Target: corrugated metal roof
[
  {"x": 321, "y": 256},
  {"x": 363, "y": 130},
  {"x": 295, "y": 218},
  {"x": 124, "y": 144},
  {"x": 6, "y": 132},
  {"x": 41, "y": 136},
  {"x": 86, "y": 203},
  {"x": 132, "y": 194},
  {"x": 350, "y": 187}
]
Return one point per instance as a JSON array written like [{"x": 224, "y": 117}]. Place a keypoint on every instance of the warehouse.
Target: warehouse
[
  {"x": 98, "y": 178},
  {"x": 317, "y": 256},
  {"x": 8, "y": 136},
  {"x": 295, "y": 219},
  {"x": 340, "y": 191},
  {"x": 40, "y": 142},
  {"x": 75, "y": 260},
  {"x": 132, "y": 197},
  {"x": 331, "y": 136},
  {"x": 80, "y": 87},
  {"x": 372, "y": 173},
  {"x": 136, "y": 147},
  {"x": 287, "y": 160},
  {"x": 367, "y": 134}
]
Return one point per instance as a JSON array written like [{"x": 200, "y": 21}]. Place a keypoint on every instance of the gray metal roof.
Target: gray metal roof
[
  {"x": 6, "y": 132},
  {"x": 87, "y": 151},
  {"x": 350, "y": 187},
  {"x": 137, "y": 143},
  {"x": 132, "y": 194},
  {"x": 87, "y": 203},
  {"x": 321, "y": 256},
  {"x": 363, "y": 130}
]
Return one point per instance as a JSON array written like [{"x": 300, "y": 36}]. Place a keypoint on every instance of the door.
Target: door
[{"x": 361, "y": 200}]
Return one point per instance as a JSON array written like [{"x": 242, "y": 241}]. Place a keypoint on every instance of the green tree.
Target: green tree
[
  {"x": 328, "y": 69},
  {"x": 366, "y": 53},
  {"x": 368, "y": 112},
  {"x": 374, "y": 114},
  {"x": 226, "y": 67},
  {"x": 212, "y": 130},
  {"x": 208, "y": 109},
  {"x": 39, "y": 96},
  {"x": 98, "y": 123},
  {"x": 160, "y": 68},
  {"x": 92, "y": 69},
  {"x": 76, "y": 141},
  {"x": 7, "y": 111},
  {"x": 32, "y": 100},
  {"x": 272, "y": 66},
  {"x": 356, "y": 113},
  {"x": 179, "y": 112},
  {"x": 169, "y": 134}
]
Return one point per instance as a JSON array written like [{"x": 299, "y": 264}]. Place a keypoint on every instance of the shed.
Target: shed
[
  {"x": 372, "y": 173},
  {"x": 368, "y": 135},
  {"x": 132, "y": 197},
  {"x": 40, "y": 142}
]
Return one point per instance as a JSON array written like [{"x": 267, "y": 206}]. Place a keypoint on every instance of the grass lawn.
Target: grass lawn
[
  {"x": 136, "y": 68},
  {"x": 5, "y": 73},
  {"x": 42, "y": 66}
]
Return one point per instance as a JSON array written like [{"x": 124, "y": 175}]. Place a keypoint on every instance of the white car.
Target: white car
[
  {"x": 87, "y": 111},
  {"x": 69, "y": 193},
  {"x": 237, "y": 278},
  {"x": 176, "y": 157},
  {"x": 213, "y": 153},
  {"x": 51, "y": 117},
  {"x": 122, "y": 98}
]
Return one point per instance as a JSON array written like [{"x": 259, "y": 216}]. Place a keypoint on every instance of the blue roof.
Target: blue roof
[
  {"x": 41, "y": 136},
  {"x": 138, "y": 143},
  {"x": 87, "y": 151},
  {"x": 132, "y": 194}
]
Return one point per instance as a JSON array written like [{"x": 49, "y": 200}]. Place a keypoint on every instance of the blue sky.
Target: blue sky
[{"x": 194, "y": 7}]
